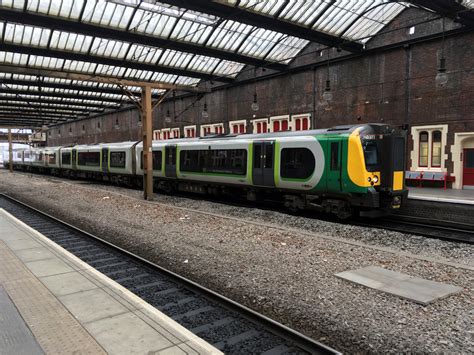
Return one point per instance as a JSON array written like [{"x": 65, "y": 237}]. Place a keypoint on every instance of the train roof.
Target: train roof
[{"x": 347, "y": 129}]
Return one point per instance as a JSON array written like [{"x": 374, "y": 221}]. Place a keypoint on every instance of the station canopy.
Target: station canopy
[{"x": 62, "y": 60}]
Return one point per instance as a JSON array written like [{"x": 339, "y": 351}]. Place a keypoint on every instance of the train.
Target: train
[{"x": 353, "y": 170}]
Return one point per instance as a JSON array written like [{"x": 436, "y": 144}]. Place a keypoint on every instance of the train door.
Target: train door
[
  {"x": 170, "y": 161},
  {"x": 74, "y": 159},
  {"x": 335, "y": 161},
  {"x": 468, "y": 169},
  {"x": 105, "y": 160},
  {"x": 263, "y": 163}
]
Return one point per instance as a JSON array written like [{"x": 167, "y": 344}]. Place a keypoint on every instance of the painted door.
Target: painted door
[
  {"x": 334, "y": 157},
  {"x": 263, "y": 163},
  {"x": 170, "y": 162},
  {"x": 105, "y": 160},
  {"x": 468, "y": 169}
]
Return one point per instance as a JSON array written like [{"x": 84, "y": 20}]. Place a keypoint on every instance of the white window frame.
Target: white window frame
[
  {"x": 186, "y": 128},
  {"x": 259, "y": 120},
  {"x": 300, "y": 116},
  {"x": 237, "y": 123},
  {"x": 280, "y": 119},
  {"x": 415, "y": 153}
]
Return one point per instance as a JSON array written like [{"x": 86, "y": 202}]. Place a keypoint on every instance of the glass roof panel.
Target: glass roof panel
[{"x": 329, "y": 16}]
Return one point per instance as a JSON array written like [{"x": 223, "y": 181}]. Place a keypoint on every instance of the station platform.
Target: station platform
[
  {"x": 51, "y": 302},
  {"x": 456, "y": 196}
]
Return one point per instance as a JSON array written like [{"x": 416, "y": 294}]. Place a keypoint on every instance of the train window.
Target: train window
[
  {"x": 88, "y": 158},
  {"x": 370, "y": 153},
  {"x": 268, "y": 155},
  {"x": 117, "y": 159},
  {"x": 51, "y": 158},
  {"x": 18, "y": 155},
  {"x": 229, "y": 161},
  {"x": 257, "y": 156},
  {"x": 335, "y": 156},
  {"x": 189, "y": 161},
  {"x": 297, "y": 163},
  {"x": 423, "y": 152},
  {"x": 436, "y": 149},
  {"x": 66, "y": 158},
  {"x": 399, "y": 154},
  {"x": 157, "y": 160}
]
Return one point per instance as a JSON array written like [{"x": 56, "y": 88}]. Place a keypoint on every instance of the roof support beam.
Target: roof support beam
[
  {"x": 110, "y": 61},
  {"x": 38, "y": 116},
  {"x": 58, "y": 95},
  {"x": 132, "y": 37},
  {"x": 221, "y": 9},
  {"x": 449, "y": 8},
  {"x": 95, "y": 78},
  {"x": 45, "y": 107},
  {"x": 40, "y": 100},
  {"x": 47, "y": 84},
  {"x": 21, "y": 113}
]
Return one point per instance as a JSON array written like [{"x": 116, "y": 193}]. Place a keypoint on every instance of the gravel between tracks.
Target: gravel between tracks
[{"x": 285, "y": 274}]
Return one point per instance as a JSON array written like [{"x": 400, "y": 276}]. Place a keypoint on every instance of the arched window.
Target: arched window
[
  {"x": 423, "y": 151},
  {"x": 436, "y": 149}
]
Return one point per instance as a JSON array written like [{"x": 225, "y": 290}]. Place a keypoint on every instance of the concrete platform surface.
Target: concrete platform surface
[
  {"x": 440, "y": 195},
  {"x": 412, "y": 288},
  {"x": 69, "y": 307}
]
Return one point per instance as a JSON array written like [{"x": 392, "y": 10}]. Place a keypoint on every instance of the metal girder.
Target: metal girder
[
  {"x": 58, "y": 95},
  {"x": 111, "y": 61},
  {"x": 222, "y": 9},
  {"x": 45, "y": 107},
  {"x": 37, "y": 114},
  {"x": 449, "y": 8},
  {"x": 23, "y": 109},
  {"x": 129, "y": 36},
  {"x": 47, "y": 84},
  {"x": 56, "y": 102},
  {"x": 57, "y": 73}
]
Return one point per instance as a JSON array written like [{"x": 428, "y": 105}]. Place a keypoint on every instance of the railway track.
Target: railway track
[
  {"x": 229, "y": 326},
  {"x": 433, "y": 228}
]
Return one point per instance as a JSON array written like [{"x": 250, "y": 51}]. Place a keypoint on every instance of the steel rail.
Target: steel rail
[{"x": 291, "y": 340}]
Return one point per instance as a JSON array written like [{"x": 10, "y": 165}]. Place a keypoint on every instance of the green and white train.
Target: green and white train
[{"x": 343, "y": 170}]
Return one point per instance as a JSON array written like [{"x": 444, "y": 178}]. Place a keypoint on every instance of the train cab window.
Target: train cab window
[
  {"x": 370, "y": 154},
  {"x": 297, "y": 163},
  {"x": 335, "y": 165},
  {"x": 88, "y": 158},
  {"x": 423, "y": 152},
  {"x": 157, "y": 160},
  {"x": 117, "y": 159},
  {"x": 436, "y": 149},
  {"x": 66, "y": 158}
]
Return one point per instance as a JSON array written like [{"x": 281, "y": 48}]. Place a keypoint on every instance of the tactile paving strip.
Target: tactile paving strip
[
  {"x": 15, "y": 337},
  {"x": 53, "y": 326}
]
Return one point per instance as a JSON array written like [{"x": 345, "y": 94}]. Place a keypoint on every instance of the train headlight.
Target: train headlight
[
  {"x": 375, "y": 179},
  {"x": 369, "y": 179}
]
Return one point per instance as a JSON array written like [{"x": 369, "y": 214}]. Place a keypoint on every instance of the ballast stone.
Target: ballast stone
[{"x": 412, "y": 288}]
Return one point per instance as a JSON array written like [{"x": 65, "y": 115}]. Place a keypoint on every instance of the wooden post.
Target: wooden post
[
  {"x": 10, "y": 150},
  {"x": 147, "y": 133}
]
